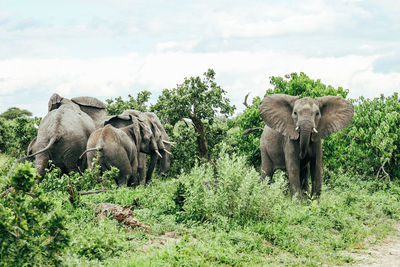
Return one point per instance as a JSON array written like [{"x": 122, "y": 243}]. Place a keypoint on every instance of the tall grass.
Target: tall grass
[{"x": 220, "y": 214}]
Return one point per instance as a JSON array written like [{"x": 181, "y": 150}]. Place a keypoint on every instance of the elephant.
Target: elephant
[
  {"x": 141, "y": 137},
  {"x": 63, "y": 133},
  {"x": 161, "y": 138},
  {"x": 90, "y": 105},
  {"x": 117, "y": 147},
  {"x": 292, "y": 137}
]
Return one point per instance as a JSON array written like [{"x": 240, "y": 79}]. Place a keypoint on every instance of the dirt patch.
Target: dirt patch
[
  {"x": 386, "y": 253},
  {"x": 162, "y": 240}
]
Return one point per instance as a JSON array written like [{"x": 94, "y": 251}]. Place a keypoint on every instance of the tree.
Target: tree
[
  {"x": 117, "y": 106},
  {"x": 195, "y": 99},
  {"x": 15, "y": 112}
]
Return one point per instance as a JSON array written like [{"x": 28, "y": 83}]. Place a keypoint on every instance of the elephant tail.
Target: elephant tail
[
  {"x": 249, "y": 131},
  {"x": 52, "y": 141},
  {"x": 89, "y": 150}
]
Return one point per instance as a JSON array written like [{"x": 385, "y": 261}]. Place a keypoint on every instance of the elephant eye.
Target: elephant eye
[
  {"x": 295, "y": 113},
  {"x": 317, "y": 113}
]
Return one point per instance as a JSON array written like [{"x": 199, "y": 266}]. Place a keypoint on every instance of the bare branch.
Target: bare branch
[
  {"x": 245, "y": 100},
  {"x": 11, "y": 189},
  {"x": 386, "y": 176},
  {"x": 82, "y": 193},
  {"x": 5, "y": 193}
]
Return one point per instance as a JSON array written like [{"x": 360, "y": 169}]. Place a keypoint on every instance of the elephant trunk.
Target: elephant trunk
[{"x": 305, "y": 135}]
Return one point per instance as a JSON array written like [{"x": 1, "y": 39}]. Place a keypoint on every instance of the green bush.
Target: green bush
[
  {"x": 16, "y": 134},
  {"x": 55, "y": 180},
  {"x": 117, "y": 106},
  {"x": 227, "y": 192},
  {"x": 371, "y": 144},
  {"x": 30, "y": 230},
  {"x": 184, "y": 153}
]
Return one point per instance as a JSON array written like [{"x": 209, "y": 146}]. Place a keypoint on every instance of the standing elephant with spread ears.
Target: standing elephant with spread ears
[
  {"x": 63, "y": 133},
  {"x": 291, "y": 139}
]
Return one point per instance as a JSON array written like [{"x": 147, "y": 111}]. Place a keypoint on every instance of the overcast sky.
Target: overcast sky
[{"x": 111, "y": 48}]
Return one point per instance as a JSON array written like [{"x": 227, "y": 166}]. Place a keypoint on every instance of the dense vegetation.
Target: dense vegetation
[{"x": 213, "y": 211}]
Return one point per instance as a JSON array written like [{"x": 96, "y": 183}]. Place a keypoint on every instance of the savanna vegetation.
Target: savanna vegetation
[{"x": 210, "y": 209}]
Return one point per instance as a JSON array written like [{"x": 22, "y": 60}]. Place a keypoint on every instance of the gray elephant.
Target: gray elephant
[
  {"x": 291, "y": 139},
  {"x": 63, "y": 133},
  {"x": 90, "y": 105},
  {"x": 116, "y": 147},
  {"x": 160, "y": 137}
]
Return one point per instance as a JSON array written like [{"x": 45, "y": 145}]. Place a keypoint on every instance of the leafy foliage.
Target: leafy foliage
[
  {"x": 371, "y": 144},
  {"x": 302, "y": 86},
  {"x": 117, "y": 106},
  {"x": 55, "y": 180},
  {"x": 16, "y": 134},
  {"x": 184, "y": 153},
  {"x": 196, "y": 99},
  {"x": 30, "y": 232},
  {"x": 15, "y": 112}
]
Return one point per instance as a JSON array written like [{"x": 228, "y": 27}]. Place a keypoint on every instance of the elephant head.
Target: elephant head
[
  {"x": 90, "y": 105},
  {"x": 139, "y": 131},
  {"x": 306, "y": 119}
]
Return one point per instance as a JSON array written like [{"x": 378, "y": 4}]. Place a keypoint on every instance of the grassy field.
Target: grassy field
[{"x": 218, "y": 214}]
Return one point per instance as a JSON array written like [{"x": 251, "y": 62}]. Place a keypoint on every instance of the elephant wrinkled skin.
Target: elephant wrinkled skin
[
  {"x": 116, "y": 148},
  {"x": 291, "y": 139},
  {"x": 64, "y": 131}
]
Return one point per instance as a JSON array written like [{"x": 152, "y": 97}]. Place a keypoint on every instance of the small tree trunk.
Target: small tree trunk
[{"x": 201, "y": 138}]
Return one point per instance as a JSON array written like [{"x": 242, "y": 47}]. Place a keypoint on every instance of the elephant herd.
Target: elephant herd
[{"x": 77, "y": 130}]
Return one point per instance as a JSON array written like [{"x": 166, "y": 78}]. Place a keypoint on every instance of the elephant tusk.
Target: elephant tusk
[
  {"x": 158, "y": 153},
  {"x": 297, "y": 128},
  {"x": 166, "y": 151},
  {"x": 168, "y": 142},
  {"x": 314, "y": 130}
]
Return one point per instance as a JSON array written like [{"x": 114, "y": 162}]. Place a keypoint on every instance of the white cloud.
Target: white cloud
[{"x": 237, "y": 72}]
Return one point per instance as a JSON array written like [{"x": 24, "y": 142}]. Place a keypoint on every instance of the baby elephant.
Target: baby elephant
[
  {"x": 291, "y": 139},
  {"x": 116, "y": 148}
]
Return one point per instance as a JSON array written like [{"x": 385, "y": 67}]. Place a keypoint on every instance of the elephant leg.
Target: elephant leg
[
  {"x": 267, "y": 168},
  {"x": 292, "y": 162},
  {"x": 304, "y": 178},
  {"x": 316, "y": 171},
  {"x": 153, "y": 161},
  {"x": 142, "y": 168},
  {"x": 41, "y": 162}
]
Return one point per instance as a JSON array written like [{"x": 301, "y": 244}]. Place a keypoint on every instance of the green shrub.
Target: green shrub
[
  {"x": 30, "y": 231},
  {"x": 16, "y": 134},
  {"x": 55, "y": 180},
  {"x": 371, "y": 144},
  {"x": 184, "y": 153},
  {"x": 117, "y": 106}
]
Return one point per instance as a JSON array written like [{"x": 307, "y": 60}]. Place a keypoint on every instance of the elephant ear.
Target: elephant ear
[
  {"x": 96, "y": 109},
  {"x": 276, "y": 111},
  {"x": 336, "y": 114},
  {"x": 54, "y": 102},
  {"x": 134, "y": 130},
  {"x": 119, "y": 121}
]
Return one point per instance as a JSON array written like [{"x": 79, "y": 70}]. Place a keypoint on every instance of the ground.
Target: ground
[{"x": 383, "y": 254}]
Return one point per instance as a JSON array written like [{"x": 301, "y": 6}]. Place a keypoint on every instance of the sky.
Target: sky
[{"x": 112, "y": 48}]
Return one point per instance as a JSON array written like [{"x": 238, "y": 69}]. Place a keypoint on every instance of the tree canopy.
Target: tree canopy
[
  {"x": 15, "y": 112},
  {"x": 196, "y": 99}
]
